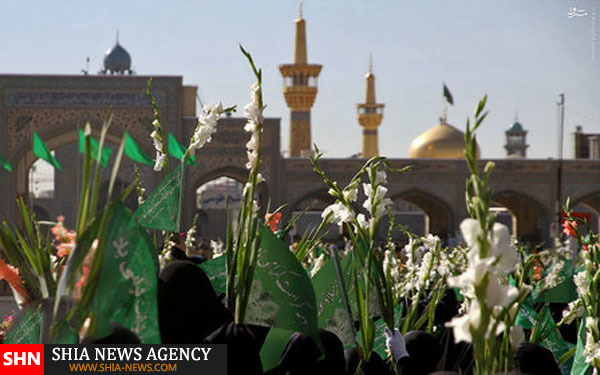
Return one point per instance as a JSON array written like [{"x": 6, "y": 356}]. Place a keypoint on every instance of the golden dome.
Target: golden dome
[{"x": 443, "y": 141}]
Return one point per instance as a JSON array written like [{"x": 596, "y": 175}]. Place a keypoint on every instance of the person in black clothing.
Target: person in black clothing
[
  {"x": 188, "y": 307},
  {"x": 178, "y": 250}
]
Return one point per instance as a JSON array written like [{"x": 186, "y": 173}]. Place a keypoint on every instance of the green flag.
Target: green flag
[
  {"x": 5, "y": 164},
  {"x": 273, "y": 347},
  {"x": 580, "y": 367},
  {"x": 177, "y": 151},
  {"x": 282, "y": 294},
  {"x": 331, "y": 312},
  {"x": 41, "y": 151},
  {"x": 547, "y": 331},
  {"x": 135, "y": 153},
  {"x": 94, "y": 144},
  {"x": 216, "y": 273},
  {"x": 127, "y": 288},
  {"x": 564, "y": 292},
  {"x": 161, "y": 209},
  {"x": 27, "y": 330}
]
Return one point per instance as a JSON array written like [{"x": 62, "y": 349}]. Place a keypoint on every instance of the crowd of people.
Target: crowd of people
[{"x": 191, "y": 312}]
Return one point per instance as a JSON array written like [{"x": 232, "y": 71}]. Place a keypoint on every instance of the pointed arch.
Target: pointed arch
[
  {"x": 439, "y": 215},
  {"x": 532, "y": 219}
]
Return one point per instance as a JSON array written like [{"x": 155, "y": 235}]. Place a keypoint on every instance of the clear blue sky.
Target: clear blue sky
[{"x": 522, "y": 53}]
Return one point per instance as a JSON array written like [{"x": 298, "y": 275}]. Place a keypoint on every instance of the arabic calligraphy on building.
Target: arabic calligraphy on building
[{"x": 20, "y": 98}]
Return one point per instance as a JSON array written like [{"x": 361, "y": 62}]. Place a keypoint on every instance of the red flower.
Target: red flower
[
  {"x": 272, "y": 221},
  {"x": 570, "y": 227}
]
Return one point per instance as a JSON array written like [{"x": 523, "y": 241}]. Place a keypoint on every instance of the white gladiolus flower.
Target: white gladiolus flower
[
  {"x": 472, "y": 276},
  {"x": 318, "y": 265},
  {"x": 553, "y": 277},
  {"x": 250, "y": 127},
  {"x": 470, "y": 231},
  {"x": 500, "y": 244},
  {"x": 375, "y": 200},
  {"x": 189, "y": 238},
  {"x": 158, "y": 146},
  {"x": 574, "y": 310},
  {"x": 591, "y": 350},
  {"x": 362, "y": 221},
  {"x": 156, "y": 138},
  {"x": 380, "y": 178},
  {"x": 503, "y": 249},
  {"x": 252, "y": 111},
  {"x": 217, "y": 248},
  {"x": 340, "y": 213},
  {"x": 252, "y": 160},
  {"x": 431, "y": 241},
  {"x": 351, "y": 194},
  {"x": 516, "y": 336},
  {"x": 582, "y": 283},
  {"x": 461, "y": 325},
  {"x": 158, "y": 163},
  {"x": 253, "y": 142},
  {"x": 207, "y": 126}
]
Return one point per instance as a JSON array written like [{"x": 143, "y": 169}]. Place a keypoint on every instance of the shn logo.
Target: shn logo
[{"x": 21, "y": 359}]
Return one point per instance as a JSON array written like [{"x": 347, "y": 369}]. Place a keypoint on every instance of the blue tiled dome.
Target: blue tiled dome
[{"x": 117, "y": 60}]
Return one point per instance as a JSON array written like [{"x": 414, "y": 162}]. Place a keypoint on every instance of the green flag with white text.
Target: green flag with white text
[
  {"x": 41, "y": 151},
  {"x": 330, "y": 305},
  {"x": 27, "y": 330},
  {"x": 94, "y": 145},
  {"x": 580, "y": 367},
  {"x": 177, "y": 151},
  {"x": 547, "y": 331},
  {"x": 127, "y": 287},
  {"x": 135, "y": 153},
  {"x": 282, "y": 294},
  {"x": 161, "y": 209}
]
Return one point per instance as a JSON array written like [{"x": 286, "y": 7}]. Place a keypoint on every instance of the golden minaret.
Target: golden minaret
[
  {"x": 300, "y": 90},
  {"x": 369, "y": 116}
]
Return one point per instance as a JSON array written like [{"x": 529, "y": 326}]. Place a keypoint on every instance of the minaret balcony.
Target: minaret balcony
[
  {"x": 309, "y": 70},
  {"x": 376, "y": 109}
]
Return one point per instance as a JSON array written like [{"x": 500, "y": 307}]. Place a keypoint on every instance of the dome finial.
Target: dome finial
[
  {"x": 117, "y": 36},
  {"x": 370, "y": 63},
  {"x": 444, "y": 116},
  {"x": 516, "y": 116},
  {"x": 300, "y": 10}
]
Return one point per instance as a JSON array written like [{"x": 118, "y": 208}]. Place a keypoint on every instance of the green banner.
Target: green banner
[
  {"x": 161, "y": 209},
  {"x": 41, "y": 151},
  {"x": 216, "y": 272},
  {"x": 547, "y": 330},
  {"x": 273, "y": 347},
  {"x": 330, "y": 305},
  {"x": 580, "y": 367},
  {"x": 26, "y": 331},
  {"x": 135, "y": 153},
  {"x": 94, "y": 145},
  {"x": 177, "y": 151},
  {"x": 282, "y": 294},
  {"x": 127, "y": 285}
]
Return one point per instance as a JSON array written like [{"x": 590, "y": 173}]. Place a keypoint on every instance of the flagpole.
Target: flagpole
[
  {"x": 29, "y": 176},
  {"x": 561, "y": 124},
  {"x": 181, "y": 192},
  {"x": 77, "y": 172}
]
